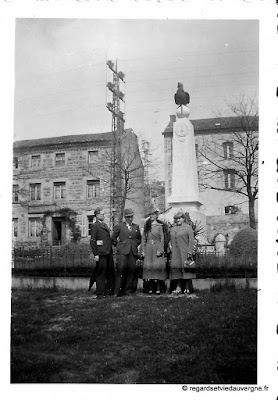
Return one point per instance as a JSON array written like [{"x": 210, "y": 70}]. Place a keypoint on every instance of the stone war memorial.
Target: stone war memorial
[{"x": 184, "y": 177}]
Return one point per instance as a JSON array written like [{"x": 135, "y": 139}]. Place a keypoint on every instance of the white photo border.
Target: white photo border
[{"x": 266, "y": 12}]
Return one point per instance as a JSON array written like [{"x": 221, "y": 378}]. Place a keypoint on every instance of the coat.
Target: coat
[
  {"x": 125, "y": 240},
  {"x": 182, "y": 240},
  {"x": 100, "y": 239},
  {"x": 154, "y": 267}
]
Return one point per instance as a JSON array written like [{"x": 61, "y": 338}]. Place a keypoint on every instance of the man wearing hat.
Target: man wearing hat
[
  {"x": 102, "y": 249},
  {"x": 126, "y": 237}
]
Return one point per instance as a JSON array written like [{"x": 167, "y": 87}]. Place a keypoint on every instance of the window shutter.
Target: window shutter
[
  {"x": 226, "y": 179},
  {"x": 225, "y": 149},
  {"x": 84, "y": 226},
  {"x": 231, "y": 150},
  {"x": 232, "y": 180},
  {"x": 39, "y": 192}
]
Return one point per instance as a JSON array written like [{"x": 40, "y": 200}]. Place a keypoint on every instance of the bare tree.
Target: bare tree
[
  {"x": 121, "y": 173},
  {"x": 129, "y": 183},
  {"x": 229, "y": 161},
  {"x": 21, "y": 190},
  {"x": 152, "y": 165}
]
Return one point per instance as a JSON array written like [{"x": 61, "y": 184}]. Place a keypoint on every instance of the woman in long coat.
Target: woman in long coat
[
  {"x": 181, "y": 245},
  {"x": 154, "y": 268}
]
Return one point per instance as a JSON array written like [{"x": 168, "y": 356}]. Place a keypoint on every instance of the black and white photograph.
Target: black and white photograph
[{"x": 142, "y": 224}]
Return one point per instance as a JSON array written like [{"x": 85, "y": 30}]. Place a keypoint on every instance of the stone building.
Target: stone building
[
  {"x": 59, "y": 181},
  {"x": 226, "y": 211}
]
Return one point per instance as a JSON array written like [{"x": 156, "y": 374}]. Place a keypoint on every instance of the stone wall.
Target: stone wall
[{"x": 226, "y": 224}]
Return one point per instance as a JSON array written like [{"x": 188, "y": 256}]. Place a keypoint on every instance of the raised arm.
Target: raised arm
[{"x": 138, "y": 236}]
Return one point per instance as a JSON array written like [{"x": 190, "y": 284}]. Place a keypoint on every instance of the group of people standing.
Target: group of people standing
[{"x": 158, "y": 242}]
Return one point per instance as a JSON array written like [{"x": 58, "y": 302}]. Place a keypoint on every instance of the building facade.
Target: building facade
[
  {"x": 217, "y": 143},
  {"x": 58, "y": 182}
]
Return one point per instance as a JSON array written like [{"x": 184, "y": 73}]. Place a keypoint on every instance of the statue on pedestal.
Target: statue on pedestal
[
  {"x": 184, "y": 194},
  {"x": 184, "y": 167},
  {"x": 182, "y": 98}
]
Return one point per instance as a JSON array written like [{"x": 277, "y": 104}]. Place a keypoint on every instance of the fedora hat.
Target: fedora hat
[
  {"x": 178, "y": 215},
  {"x": 97, "y": 211},
  {"x": 128, "y": 212},
  {"x": 153, "y": 210}
]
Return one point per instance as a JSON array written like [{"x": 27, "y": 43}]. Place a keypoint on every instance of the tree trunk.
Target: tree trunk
[
  {"x": 252, "y": 220},
  {"x": 123, "y": 201}
]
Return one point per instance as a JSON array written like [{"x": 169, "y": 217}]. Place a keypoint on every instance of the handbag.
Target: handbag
[{"x": 189, "y": 266}]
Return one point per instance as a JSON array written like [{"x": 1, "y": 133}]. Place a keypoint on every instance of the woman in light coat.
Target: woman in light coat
[
  {"x": 154, "y": 267},
  {"x": 181, "y": 245}
]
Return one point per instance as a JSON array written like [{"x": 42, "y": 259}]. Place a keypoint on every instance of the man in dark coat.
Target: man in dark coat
[
  {"x": 102, "y": 249},
  {"x": 126, "y": 237}
]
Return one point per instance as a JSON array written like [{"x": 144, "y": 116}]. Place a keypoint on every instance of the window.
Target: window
[
  {"x": 35, "y": 191},
  {"x": 228, "y": 148},
  {"x": 15, "y": 227},
  {"x": 35, "y": 161},
  {"x": 229, "y": 178},
  {"x": 91, "y": 219},
  {"x": 60, "y": 159},
  {"x": 15, "y": 161},
  {"x": 92, "y": 156},
  {"x": 93, "y": 188},
  {"x": 59, "y": 190},
  {"x": 34, "y": 227},
  {"x": 231, "y": 210},
  {"x": 15, "y": 193}
]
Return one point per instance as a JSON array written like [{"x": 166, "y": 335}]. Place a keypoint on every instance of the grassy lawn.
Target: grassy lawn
[{"x": 67, "y": 336}]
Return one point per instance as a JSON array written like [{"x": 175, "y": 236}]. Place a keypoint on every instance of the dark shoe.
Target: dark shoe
[
  {"x": 91, "y": 283},
  {"x": 101, "y": 296}
]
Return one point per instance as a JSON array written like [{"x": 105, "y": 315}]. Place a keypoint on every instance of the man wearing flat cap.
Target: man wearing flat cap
[{"x": 126, "y": 237}]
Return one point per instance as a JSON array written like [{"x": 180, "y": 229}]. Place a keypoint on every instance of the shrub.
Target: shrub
[
  {"x": 245, "y": 245},
  {"x": 223, "y": 286},
  {"x": 213, "y": 266}
]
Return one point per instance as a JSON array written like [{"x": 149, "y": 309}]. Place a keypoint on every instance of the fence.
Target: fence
[
  {"x": 78, "y": 260},
  {"x": 52, "y": 257}
]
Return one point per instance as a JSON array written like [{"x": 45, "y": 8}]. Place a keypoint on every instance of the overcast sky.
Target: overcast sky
[{"x": 61, "y": 73}]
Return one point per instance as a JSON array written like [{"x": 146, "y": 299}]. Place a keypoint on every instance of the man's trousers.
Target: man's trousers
[
  {"x": 126, "y": 278},
  {"x": 105, "y": 275}
]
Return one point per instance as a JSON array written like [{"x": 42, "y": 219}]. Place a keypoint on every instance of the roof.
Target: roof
[
  {"x": 66, "y": 140},
  {"x": 226, "y": 124}
]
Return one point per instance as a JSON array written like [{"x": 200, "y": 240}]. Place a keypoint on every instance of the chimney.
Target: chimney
[{"x": 172, "y": 118}]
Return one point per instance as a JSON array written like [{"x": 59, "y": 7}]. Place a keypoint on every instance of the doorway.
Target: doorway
[{"x": 58, "y": 231}]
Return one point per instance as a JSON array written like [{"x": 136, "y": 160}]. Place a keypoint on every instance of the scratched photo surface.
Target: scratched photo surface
[{"x": 154, "y": 124}]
